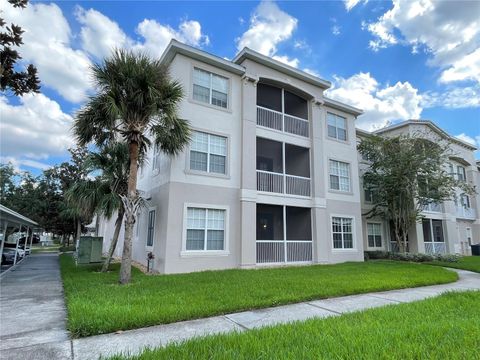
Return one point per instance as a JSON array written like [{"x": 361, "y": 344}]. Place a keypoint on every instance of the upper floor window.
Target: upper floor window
[
  {"x": 465, "y": 201},
  {"x": 461, "y": 173},
  {"x": 156, "y": 158},
  {"x": 339, "y": 176},
  {"x": 370, "y": 195},
  {"x": 208, "y": 153},
  {"x": 210, "y": 88},
  {"x": 337, "y": 127}
]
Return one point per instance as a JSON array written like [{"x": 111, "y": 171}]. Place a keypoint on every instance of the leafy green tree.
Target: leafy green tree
[
  {"x": 105, "y": 191},
  {"x": 136, "y": 99},
  {"x": 405, "y": 174},
  {"x": 18, "y": 82}
]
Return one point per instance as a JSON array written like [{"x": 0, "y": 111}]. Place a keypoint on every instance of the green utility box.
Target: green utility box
[{"x": 89, "y": 249}]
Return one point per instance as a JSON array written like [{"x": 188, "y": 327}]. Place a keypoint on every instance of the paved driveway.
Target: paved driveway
[{"x": 32, "y": 311}]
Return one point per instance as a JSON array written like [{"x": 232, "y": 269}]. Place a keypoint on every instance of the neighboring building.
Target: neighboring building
[
  {"x": 450, "y": 227},
  {"x": 271, "y": 175}
]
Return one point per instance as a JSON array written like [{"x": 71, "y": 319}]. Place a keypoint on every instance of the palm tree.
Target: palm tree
[
  {"x": 135, "y": 99},
  {"x": 113, "y": 163}
]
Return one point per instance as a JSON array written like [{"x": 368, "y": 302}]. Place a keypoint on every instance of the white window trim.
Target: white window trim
[
  {"x": 215, "y": 71},
  {"x": 347, "y": 140},
  {"x": 343, "y": 115},
  {"x": 354, "y": 234},
  {"x": 350, "y": 191},
  {"x": 208, "y": 173},
  {"x": 382, "y": 234},
  {"x": 205, "y": 253},
  {"x": 150, "y": 247}
]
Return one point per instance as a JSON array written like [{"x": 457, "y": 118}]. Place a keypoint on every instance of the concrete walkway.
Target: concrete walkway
[
  {"x": 134, "y": 341},
  {"x": 32, "y": 311},
  {"x": 33, "y": 315}
]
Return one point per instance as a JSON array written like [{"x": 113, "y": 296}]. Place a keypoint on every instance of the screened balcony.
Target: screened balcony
[
  {"x": 282, "y": 110},
  {"x": 433, "y": 236},
  {"x": 283, "y": 168},
  {"x": 284, "y": 234}
]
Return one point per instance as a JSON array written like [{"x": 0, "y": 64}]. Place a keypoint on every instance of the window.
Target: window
[
  {"x": 369, "y": 195},
  {"x": 339, "y": 176},
  {"x": 432, "y": 230},
  {"x": 208, "y": 153},
  {"x": 337, "y": 127},
  {"x": 374, "y": 232},
  {"x": 465, "y": 201},
  {"x": 342, "y": 232},
  {"x": 210, "y": 88},
  {"x": 205, "y": 229},
  {"x": 156, "y": 159},
  {"x": 151, "y": 227},
  {"x": 461, "y": 173}
]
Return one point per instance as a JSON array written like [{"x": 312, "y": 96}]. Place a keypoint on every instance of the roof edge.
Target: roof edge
[
  {"x": 247, "y": 53},
  {"x": 176, "y": 47},
  {"x": 341, "y": 106}
]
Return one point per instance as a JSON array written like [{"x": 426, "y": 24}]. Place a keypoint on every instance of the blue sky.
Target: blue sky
[{"x": 395, "y": 60}]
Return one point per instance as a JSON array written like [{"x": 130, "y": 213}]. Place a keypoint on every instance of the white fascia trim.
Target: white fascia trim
[
  {"x": 247, "y": 53},
  {"x": 175, "y": 47},
  {"x": 343, "y": 107}
]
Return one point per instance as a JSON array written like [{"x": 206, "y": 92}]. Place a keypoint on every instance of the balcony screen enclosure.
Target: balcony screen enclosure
[
  {"x": 284, "y": 234},
  {"x": 282, "y": 110}
]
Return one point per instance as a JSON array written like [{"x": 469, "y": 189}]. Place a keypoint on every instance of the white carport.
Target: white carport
[{"x": 14, "y": 220}]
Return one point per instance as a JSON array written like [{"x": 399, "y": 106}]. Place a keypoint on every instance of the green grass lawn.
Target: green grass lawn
[
  {"x": 97, "y": 304},
  {"x": 446, "y": 327},
  {"x": 36, "y": 249},
  {"x": 471, "y": 263}
]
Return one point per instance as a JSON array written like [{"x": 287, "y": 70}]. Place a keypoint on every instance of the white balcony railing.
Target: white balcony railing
[
  {"x": 280, "y": 251},
  {"x": 279, "y": 183},
  {"x": 283, "y": 122},
  {"x": 433, "y": 207},
  {"x": 269, "y": 181},
  {"x": 435, "y": 248},
  {"x": 466, "y": 213}
]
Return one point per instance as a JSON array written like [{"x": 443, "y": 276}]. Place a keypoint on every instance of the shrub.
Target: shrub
[{"x": 414, "y": 257}]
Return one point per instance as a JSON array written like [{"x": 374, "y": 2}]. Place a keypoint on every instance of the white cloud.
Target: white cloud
[
  {"x": 99, "y": 34},
  {"x": 17, "y": 163},
  {"x": 47, "y": 45},
  {"x": 454, "y": 98},
  {"x": 466, "y": 138},
  {"x": 336, "y": 30},
  {"x": 350, "y": 4},
  {"x": 269, "y": 26},
  {"x": 381, "y": 105},
  {"x": 157, "y": 36},
  {"x": 35, "y": 129},
  {"x": 448, "y": 30},
  {"x": 286, "y": 60}
]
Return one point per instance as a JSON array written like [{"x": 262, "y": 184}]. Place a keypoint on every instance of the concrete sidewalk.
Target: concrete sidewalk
[
  {"x": 32, "y": 311},
  {"x": 134, "y": 341},
  {"x": 33, "y": 315}
]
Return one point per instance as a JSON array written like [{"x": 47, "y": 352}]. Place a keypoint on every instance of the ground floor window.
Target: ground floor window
[
  {"x": 284, "y": 234},
  {"x": 374, "y": 233},
  {"x": 151, "y": 227},
  {"x": 205, "y": 229},
  {"x": 433, "y": 236},
  {"x": 342, "y": 232}
]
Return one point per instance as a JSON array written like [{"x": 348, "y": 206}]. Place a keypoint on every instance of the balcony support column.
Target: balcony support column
[{"x": 248, "y": 191}]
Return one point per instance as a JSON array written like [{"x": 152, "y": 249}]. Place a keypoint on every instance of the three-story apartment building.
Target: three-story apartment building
[
  {"x": 450, "y": 227},
  {"x": 271, "y": 175}
]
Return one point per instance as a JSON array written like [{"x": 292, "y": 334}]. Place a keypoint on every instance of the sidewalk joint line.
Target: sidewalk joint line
[
  {"x": 384, "y": 298},
  {"x": 320, "y": 307},
  {"x": 236, "y": 323}
]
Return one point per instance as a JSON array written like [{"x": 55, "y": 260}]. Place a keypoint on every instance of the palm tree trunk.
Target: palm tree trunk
[
  {"x": 130, "y": 205},
  {"x": 113, "y": 244}
]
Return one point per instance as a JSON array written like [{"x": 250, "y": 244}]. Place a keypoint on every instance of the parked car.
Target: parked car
[{"x": 8, "y": 255}]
